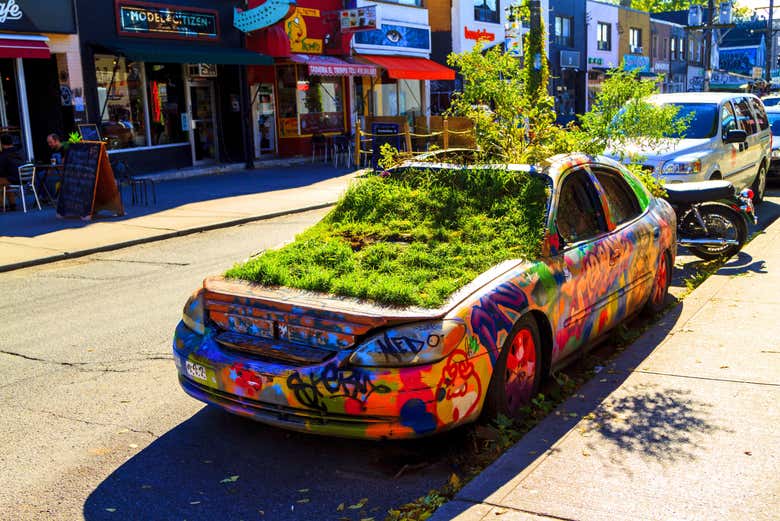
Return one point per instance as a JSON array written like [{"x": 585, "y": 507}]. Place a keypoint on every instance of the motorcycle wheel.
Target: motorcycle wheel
[{"x": 722, "y": 222}]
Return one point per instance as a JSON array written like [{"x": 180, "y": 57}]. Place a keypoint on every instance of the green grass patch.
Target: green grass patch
[{"x": 411, "y": 238}]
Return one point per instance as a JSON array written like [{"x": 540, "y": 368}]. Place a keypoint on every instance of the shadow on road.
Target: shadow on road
[
  {"x": 175, "y": 193},
  {"x": 219, "y": 466}
]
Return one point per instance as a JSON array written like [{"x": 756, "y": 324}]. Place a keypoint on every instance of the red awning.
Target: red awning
[
  {"x": 320, "y": 65},
  {"x": 409, "y": 68},
  {"x": 24, "y": 48}
]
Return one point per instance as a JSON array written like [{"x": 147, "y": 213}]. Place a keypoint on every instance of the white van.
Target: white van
[{"x": 728, "y": 138}]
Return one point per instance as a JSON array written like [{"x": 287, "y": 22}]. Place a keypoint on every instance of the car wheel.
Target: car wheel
[
  {"x": 759, "y": 184},
  {"x": 663, "y": 278},
  {"x": 723, "y": 223},
  {"x": 517, "y": 373}
]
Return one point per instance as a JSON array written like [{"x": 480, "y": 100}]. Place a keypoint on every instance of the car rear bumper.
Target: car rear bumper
[
  {"x": 774, "y": 168},
  {"x": 331, "y": 398}
]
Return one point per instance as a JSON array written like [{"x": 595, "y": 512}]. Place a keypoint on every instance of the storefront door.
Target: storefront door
[
  {"x": 264, "y": 117},
  {"x": 203, "y": 125}
]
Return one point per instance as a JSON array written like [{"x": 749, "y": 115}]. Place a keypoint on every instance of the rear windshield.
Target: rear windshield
[{"x": 704, "y": 120}]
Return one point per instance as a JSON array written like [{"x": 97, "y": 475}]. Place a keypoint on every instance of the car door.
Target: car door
[
  {"x": 750, "y": 151},
  {"x": 583, "y": 263},
  {"x": 729, "y": 155},
  {"x": 633, "y": 240}
]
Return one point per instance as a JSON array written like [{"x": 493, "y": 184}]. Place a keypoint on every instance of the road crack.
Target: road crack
[
  {"x": 61, "y": 416},
  {"x": 36, "y": 359}
]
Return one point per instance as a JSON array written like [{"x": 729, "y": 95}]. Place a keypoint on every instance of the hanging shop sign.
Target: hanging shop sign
[
  {"x": 595, "y": 61},
  {"x": 366, "y": 18},
  {"x": 479, "y": 34},
  {"x": 264, "y": 15},
  {"x": 36, "y": 16},
  {"x": 636, "y": 62},
  {"x": 298, "y": 33},
  {"x": 166, "y": 21}
]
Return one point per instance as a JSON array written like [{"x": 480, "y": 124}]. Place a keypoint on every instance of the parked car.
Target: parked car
[
  {"x": 773, "y": 114},
  {"x": 339, "y": 366},
  {"x": 728, "y": 138},
  {"x": 771, "y": 100}
]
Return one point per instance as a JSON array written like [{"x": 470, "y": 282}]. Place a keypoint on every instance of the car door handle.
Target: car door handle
[{"x": 743, "y": 146}]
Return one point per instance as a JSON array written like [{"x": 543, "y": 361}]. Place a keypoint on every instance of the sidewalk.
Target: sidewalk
[
  {"x": 183, "y": 206},
  {"x": 684, "y": 424}
]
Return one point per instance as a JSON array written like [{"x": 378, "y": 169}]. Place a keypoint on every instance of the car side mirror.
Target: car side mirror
[{"x": 735, "y": 136}]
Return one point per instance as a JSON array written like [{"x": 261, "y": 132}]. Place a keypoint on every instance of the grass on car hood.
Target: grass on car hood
[{"x": 412, "y": 237}]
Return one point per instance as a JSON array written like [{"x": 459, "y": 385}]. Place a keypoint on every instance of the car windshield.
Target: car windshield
[
  {"x": 704, "y": 120},
  {"x": 771, "y": 102},
  {"x": 774, "y": 122}
]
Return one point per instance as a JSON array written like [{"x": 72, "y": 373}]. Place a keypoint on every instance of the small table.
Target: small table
[{"x": 48, "y": 169}]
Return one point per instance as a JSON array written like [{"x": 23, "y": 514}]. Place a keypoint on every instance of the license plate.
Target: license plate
[{"x": 196, "y": 371}]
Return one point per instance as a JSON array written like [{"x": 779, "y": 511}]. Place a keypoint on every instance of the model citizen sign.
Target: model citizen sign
[
  {"x": 141, "y": 19},
  {"x": 10, "y": 11}
]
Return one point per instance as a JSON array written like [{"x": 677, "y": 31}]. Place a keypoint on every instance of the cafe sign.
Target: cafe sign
[{"x": 166, "y": 21}]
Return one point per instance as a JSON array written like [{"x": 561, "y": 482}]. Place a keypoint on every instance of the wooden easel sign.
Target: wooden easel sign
[{"x": 88, "y": 183}]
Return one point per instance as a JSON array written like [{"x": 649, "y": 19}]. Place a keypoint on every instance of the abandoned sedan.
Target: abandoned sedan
[{"x": 358, "y": 347}]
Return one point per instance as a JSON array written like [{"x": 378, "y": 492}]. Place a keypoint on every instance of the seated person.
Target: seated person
[
  {"x": 10, "y": 160},
  {"x": 58, "y": 149}
]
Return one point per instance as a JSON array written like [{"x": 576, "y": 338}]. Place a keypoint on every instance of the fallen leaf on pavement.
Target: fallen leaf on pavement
[
  {"x": 303, "y": 490},
  {"x": 111, "y": 510},
  {"x": 231, "y": 479},
  {"x": 748, "y": 453},
  {"x": 304, "y": 500},
  {"x": 194, "y": 502},
  {"x": 340, "y": 508}
]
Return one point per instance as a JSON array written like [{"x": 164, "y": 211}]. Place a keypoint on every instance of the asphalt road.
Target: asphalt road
[{"x": 94, "y": 424}]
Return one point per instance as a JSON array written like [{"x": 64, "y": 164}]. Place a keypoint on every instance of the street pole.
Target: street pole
[
  {"x": 708, "y": 46},
  {"x": 769, "y": 42}
]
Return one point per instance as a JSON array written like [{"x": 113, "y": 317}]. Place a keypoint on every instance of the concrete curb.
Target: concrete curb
[
  {"x": 159, "y": 237},
  {"x": 187, "y": 173}
]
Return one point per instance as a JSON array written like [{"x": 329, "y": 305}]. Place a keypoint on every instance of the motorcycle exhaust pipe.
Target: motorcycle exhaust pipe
[{"x": 708, "y": 242}]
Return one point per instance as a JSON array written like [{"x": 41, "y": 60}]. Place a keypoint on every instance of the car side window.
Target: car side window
[
  {"x": 580, "y": 216},
  {"x": 622, "y": 201},
  {"x": 758, "y": 110},
  {"x": 744, "y": 116},
  {"x": 727, "y": 119}
]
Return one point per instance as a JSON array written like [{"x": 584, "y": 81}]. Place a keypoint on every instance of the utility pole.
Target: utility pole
[
  {"x": 708, "y": 45},
  {"x": 769, "y": 43}
]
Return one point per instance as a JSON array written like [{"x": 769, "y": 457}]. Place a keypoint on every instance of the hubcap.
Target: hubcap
[
  {"x": 520, "y": 370},
  {"x": 761, "y": 182}
]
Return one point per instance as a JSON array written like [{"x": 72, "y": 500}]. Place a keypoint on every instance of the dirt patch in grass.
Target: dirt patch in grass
[{"x": 413, "y": 237}]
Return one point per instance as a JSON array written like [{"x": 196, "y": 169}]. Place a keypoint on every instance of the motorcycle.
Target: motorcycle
[{"x": 712, "y": 219}]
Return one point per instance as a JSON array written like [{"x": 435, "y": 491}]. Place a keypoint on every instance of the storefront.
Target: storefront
[
  {"x": 305, "y": 95},
  {"x": 40, "y": 73},
  {"x": 165, "y": 84},
  {"x": 400, "y": 47}
]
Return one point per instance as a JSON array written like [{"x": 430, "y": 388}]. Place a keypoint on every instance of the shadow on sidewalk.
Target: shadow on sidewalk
[
  {"x": 219, "y": 466},
  {"x": 651, "y": 422},
  {"x": 175, "y": 193}
]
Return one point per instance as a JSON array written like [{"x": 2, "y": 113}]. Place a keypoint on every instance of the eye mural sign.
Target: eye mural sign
[{"x": 166, "y": 21}]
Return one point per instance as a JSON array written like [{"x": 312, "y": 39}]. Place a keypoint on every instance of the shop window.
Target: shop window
[
  {"x": 563, "y": 34},
  {"x": 604, "y": 37},
  {"x": 385, "y": 96},
  {"x": 682, "y": 48},
  {"x": 308, "y": 104},
  {"x": 409, "y": 99},
  {"x": 165, "y": 90},
  {"x": 672, "y": 49},
  {"x": 120, "y": 89},
  {"x": 487, "y": 11}
]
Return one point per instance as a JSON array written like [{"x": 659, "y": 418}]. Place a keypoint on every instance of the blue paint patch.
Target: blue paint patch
[{"x": 414, "y": 415}]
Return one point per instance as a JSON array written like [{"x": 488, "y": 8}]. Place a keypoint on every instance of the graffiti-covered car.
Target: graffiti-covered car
[{"x": 339, "y": 366}]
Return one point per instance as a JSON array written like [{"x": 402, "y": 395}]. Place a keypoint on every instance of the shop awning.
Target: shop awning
[
  {"x": 24, "y": 47},
  {"x": 410, "y": 68},
  {"x": 162, "y": 53},
  {"x": 331, "y": 66}
]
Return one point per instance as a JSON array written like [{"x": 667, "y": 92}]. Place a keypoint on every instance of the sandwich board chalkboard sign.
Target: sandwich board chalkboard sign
[
  {"x": 382, "y": 133},
  {"x": 89, "y": 132},
  {"x": 88, "y": 183}
]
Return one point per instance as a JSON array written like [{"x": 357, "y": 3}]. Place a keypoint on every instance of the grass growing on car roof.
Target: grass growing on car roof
[{"x": 411, "y": 238}]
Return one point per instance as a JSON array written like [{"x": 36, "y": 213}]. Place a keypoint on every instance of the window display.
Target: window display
[
  {"x": 121, "y": 96},
  {"x": 165, "y": 88},
  {"x": 309, "y": 104}
]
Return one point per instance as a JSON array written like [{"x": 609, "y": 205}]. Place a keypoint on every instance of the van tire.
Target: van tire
[{"x": 759, "y": 184}]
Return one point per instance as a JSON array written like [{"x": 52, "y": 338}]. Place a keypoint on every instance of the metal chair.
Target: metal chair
[
  {"x": 26, "y": 180},
  {"x": 139, "y": 186},
  {"x": 342, "y": 147},
  {"x": 319, "y": 144}
]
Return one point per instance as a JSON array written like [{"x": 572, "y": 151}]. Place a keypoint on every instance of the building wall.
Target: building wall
[
  {"x": 606, "y": 13},
  {"x": 463, "y": 17},
  {"x": 628, "y": 18},
  {"x": 440, "y": 15}
]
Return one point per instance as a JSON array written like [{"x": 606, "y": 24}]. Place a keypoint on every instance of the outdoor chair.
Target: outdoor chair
[
  {"x": 342, "y": 148},
  {"x": 319, "y": 146},
  {"x": 26, "y": 182},
  {"x": 139, "y": 186}
]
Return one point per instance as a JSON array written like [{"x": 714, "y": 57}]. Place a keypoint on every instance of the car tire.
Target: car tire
[
  {"x": 662, "y": 279},
  {"x": 759, "y": 184},
  {"x": 517, "y": 374}
]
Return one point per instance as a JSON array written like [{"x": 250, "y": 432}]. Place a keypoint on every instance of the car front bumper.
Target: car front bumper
[{"x": 331, "y": 398}]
